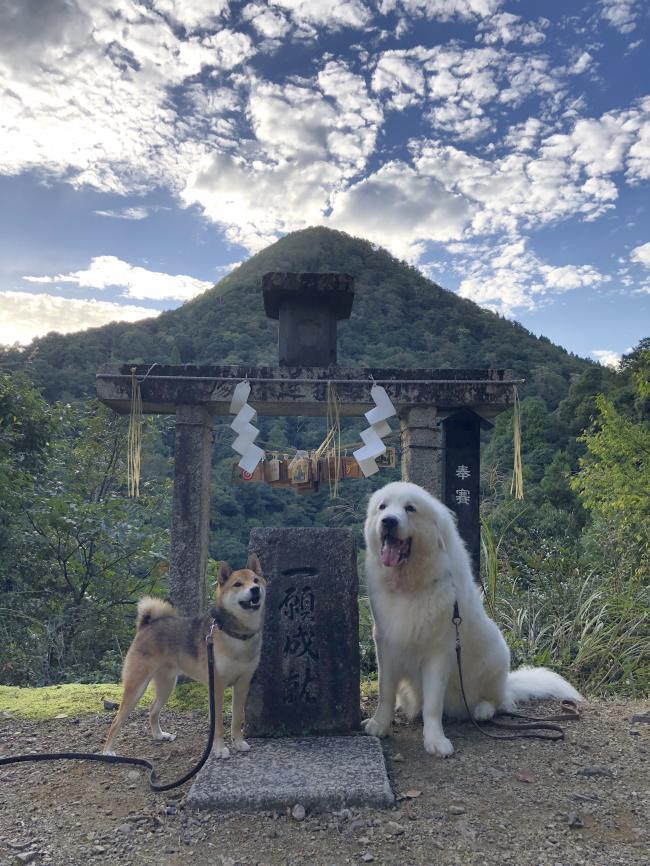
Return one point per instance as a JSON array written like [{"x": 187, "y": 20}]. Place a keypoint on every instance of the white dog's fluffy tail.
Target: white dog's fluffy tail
[{"x": 525, "y": 683}]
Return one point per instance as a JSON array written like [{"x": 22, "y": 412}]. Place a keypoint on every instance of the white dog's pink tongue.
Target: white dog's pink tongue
[{"x": 390, "y": 552}]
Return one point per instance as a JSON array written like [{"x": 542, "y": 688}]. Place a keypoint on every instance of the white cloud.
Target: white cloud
[
  {"x": 269, "y": 23},
  {"x": 444, "y": 10},
  {"x": 505, "y": 27},
  {"x": 607, "y": 357},
  {"x": 621, "y": 14},
  {"x": 332, "y": 14},
  {"x": 508, "y": 278},
  {"x": 309, "y": 139},
  {"x": 88, "y": 96},
  {"x": 24, "y": 316},
  {"x": 398, "y": 208},
  {"x": 192, "y": 14},
  {"x": 129, "y": 213},
  {"x": 641, "y": 254},
  {"x": 138, "y": 283}
]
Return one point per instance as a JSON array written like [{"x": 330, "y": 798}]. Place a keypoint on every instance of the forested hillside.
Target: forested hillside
[
  {"x": 399, "y": 319},
  {"x": 76, "y": 551}
]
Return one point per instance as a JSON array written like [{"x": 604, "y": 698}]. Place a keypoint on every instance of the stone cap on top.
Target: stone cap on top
[{"x": 333, "y": 291}]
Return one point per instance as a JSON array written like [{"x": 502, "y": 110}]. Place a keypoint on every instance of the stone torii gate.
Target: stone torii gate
[{"x": 441, "y": 413}]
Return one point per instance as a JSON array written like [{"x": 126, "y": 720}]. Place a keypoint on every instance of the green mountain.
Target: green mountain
[{"x": 399, "y": 319}]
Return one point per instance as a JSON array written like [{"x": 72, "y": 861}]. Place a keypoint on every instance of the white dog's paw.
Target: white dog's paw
[
  {"x": 439, "y": 746},
  {"x": 374, "y": 729},
  {"x": 164, "y": 737},
  {"x": 220, "y": 752},
  {"x": 484, "y": 711},
  {"x": 241, "y": 746}
]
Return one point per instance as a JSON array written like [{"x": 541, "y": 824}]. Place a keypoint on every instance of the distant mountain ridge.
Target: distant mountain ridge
[{"x": 399, "y": 319}]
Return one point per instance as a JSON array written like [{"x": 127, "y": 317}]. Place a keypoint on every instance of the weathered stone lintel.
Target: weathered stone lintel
[{"x": 303, "y": 390}]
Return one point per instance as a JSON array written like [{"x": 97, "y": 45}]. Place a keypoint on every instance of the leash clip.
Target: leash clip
[
  {"x": 208, "y": 637},
  {"x": 456, "y": 617}
]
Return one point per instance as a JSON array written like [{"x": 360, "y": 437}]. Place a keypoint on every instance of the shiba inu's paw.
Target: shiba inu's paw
[
  {"x": 241, "y": 746},
  {"x": 374, "y": 729},
  {"x": 484, "y": 711},
  {"x": 439, "y": 746},
  {"x": 220, "y": 751},
  {"x": 163, "y": 736}
]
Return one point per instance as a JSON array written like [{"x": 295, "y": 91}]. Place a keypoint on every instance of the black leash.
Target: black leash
[
  {"x": 138, "y": 762},
  {"x": 533, "y": 726}
]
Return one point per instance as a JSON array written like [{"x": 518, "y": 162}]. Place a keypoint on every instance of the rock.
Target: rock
[
  {"x": 641, "y": 718},
  {"x": 110, "y": 705},
  {"x": 456, "y": 810},
  {"x": 574, "y": 821},
  {"x": 394, "y": 829},
  {"x": 595, "y": 770},
  {"x": 25, "y": 857},
  {"x": 124, "y": 828},
  {"x": 398, "y": 758},
  {"x": 133, "y": 776},
  {"x": 367, "y": 857},
  {"x": 298, "y": 813}
]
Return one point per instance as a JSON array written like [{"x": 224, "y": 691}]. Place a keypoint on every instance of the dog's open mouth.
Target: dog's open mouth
[
  {"x": 394, "y": 550},
  {"x": 250, "y": 604}
]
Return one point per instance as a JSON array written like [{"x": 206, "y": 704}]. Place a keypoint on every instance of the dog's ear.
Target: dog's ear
[
  {"x": 253, "y": 564},
  {"x": 224, "y": 573}
]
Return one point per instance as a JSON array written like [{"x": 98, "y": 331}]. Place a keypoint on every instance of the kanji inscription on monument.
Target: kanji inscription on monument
[{"x": 308, "y": 678}]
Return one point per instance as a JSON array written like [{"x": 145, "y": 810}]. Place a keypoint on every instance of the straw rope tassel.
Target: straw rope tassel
[
  {"x": 334, "y": 427},
  {"x": 134, "y": 438},
  {"x": 517, "y": 486}
]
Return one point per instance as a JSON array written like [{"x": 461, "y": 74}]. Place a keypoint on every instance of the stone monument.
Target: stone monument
[{"x": 308, "y": 678}]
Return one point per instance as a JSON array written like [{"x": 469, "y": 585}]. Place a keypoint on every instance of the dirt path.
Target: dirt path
[{"x": 584, "y": 801}]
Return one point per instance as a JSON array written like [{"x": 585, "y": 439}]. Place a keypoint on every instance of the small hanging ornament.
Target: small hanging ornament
[
  {"x": 251, "y": 454},
  {"x": 373, "y": 435}
]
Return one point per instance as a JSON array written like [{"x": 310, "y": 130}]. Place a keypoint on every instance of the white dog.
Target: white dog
[{"x": 416, "y": 567}]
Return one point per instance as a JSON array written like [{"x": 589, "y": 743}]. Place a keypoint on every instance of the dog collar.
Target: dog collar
[{"x": 220, "y": 624}]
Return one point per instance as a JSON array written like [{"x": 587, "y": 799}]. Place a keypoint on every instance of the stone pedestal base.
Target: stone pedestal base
[{"x": 318, "y": 772}]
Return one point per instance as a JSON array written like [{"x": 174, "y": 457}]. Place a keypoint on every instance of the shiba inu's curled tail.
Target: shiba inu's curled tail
[
  {"x": 151, "y": 609},
  {"x": 526, "y": 683}
]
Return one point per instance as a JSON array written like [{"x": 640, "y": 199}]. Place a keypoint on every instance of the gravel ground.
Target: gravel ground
[{"x": 583, "y": 801}]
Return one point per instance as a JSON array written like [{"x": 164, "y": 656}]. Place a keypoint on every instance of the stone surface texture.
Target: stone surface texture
[
  {"x": 421, "y": 441},
  {"x": 308, "y": 678},
  {"x": 316, "y": 772},
  {"x": 190, "y": 510},
  {"x": 296, "y": 390},
  {"x": 308, "y": 307}
]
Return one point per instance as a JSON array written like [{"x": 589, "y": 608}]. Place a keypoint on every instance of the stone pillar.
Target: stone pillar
[
  {"x": 308, "y": 678},
  {"x": 462, "y": 475},
  {"x": 421, "y": 446},
  {"x": 190, "y": 510}
]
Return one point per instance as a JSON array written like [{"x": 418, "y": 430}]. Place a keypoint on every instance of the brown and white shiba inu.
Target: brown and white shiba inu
[{"x": 167, "y": 644}]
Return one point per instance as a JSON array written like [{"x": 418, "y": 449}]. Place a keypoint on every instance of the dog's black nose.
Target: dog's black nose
[
  {"x": 255, "y": 592},
  {"x": 389, "y": 522}
]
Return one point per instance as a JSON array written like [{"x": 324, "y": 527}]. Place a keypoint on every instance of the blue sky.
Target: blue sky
[{"x": 501, "y": 147}]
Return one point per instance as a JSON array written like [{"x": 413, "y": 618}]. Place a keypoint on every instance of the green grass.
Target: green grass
[{"x": 75, "y": 699}]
